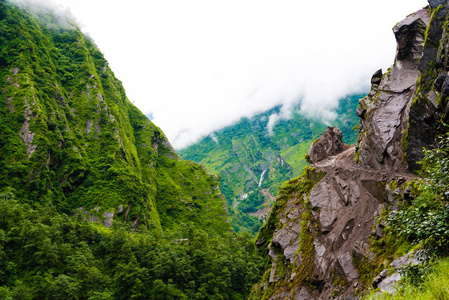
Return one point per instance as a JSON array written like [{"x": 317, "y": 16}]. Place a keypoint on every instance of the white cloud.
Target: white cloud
[
  {"x": 271, "y": 122},
  {"x": 63, "y": 13},
  {"x": 197, "y": 66},
  {"x": 214, "y": 138}
]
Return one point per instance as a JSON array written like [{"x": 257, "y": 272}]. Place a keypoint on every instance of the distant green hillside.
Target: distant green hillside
[{"x": 252, "y": 163}]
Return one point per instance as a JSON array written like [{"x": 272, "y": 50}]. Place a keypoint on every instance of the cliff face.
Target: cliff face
[
  {"x": 70, "y": 137},
  {"x": 320, "y": 234}
]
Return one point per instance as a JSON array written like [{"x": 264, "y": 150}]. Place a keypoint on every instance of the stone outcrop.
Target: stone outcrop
[
  {"x": 319, "y": 233},
  {"x": 330, "y": 143},
  {"x": 384, "y": 112}
]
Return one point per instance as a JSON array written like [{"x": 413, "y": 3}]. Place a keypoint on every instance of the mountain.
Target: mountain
[
  {"x": 71, "y": 138},
  {"x": 254, "y": 157},
  {"x": 359, "y": 215},
  {"x": 96, "y": 204}
]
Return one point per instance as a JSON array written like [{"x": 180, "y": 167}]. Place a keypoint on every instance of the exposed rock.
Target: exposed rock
[
  {"x": 401, "y": 115},
  {"x": 381, "y": 139},
  {"x": 89, "y": 125},
  {"x": 108, "y": 216},
  {"x": 388, "y": 283},
  {"x": 409, "y": 35},
  {"x": 25, "y": 133},
  {"x": 330, "y": 143},
  {"x": 377, "y": 77},
  {"x": 303, "y": 295},
  {"x": 345, "y": 263},
  {"x": 436, "y": 3}
]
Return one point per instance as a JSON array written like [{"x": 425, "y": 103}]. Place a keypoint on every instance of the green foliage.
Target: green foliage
[
  {"x": 426, "y": 220},
  {"x": 70, "y": 138},
  {"x": 434, "y": 286},
  {"x": 72, "y": 143},
  {"x": 436, "y": 169},
  {"x": 47, "y": 255}
]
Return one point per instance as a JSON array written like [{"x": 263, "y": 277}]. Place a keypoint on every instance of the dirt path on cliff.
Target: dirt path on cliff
[{"x": 346, "y": 161}]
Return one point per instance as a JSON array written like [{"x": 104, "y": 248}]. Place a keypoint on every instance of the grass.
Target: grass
[
  {"x": 434, "y": 287},
  {"x": 294, "y": 156}
]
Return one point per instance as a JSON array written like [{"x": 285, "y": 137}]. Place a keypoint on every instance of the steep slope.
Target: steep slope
[
  {"x": 253, "y": 158},
  {"x": 322, "y": 239},
  {"x": 69, "y": 137}
]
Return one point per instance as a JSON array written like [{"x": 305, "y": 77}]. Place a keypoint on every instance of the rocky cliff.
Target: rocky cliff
[
  {"x": 321, "y": 237},
  {"x": 70, "y": 138}
]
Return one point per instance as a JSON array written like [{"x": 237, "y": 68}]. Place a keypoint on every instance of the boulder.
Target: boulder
[
  {"x": 436, "y": 3},
  {"x": 329, "y": 144}
]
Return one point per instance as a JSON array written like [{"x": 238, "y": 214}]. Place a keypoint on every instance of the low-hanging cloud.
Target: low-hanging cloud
[
  {"x": 63, "y": 14},
  {"x": 197, "y": 66}
]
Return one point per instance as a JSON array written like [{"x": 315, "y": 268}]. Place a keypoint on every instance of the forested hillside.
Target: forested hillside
[
  {"x": 95, "y": 203},
  {"x": 254, "y": 158}
]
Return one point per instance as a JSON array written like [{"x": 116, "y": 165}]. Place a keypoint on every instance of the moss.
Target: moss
[
  {"x": 404, "y": 142},
  {"x": 339, "y": 284},
  {"x": 307, "y": 252},
  {"x": 367, "y": 270},
  {"x": 357, "y": 156},
  {"x": 307, "y": 158},
  {"x": 433, "y": 15},
  {"x": 293, "y": 189}
]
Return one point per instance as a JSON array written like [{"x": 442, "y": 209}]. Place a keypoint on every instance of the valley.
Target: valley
[
  {"x": 95, "y": 203},
  {"x": 253, "y": 160}
]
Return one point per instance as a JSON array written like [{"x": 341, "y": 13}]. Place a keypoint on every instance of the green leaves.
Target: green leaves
[
  {"x": 426, "y": 220},
  {"x": 46, "y": 255}
]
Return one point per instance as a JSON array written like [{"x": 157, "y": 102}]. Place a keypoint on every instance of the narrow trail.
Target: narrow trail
[{"x": 345, "y": 161}]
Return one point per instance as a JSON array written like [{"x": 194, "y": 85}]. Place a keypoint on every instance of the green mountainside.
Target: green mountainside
[
  {"x": 75, "y": 153},
  {"x": 252, "y": 163},
  {"x": 71, "y": 138}
]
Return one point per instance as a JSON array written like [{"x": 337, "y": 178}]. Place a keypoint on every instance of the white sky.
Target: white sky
[{"x": 197, "y": 66}]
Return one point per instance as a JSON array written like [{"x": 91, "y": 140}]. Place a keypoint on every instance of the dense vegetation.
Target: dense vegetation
[
  {"x": 77, "y": 155},
  {"x": 240, "y": 153},
  {"x": 69, "y": 136},
  {"x": 47, "y": 255},
  {"x": 422, "y": 222}
]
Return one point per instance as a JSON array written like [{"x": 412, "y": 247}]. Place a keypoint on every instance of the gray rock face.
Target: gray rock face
[
  {"x": 399, "y": 116},
  {"x": 430, "y": 104},
  {"x": 327, "y": 199},
  {"x": 303, "y": 295},
  {"x": 25, "y": 133},
  {"x": 330, "y": 143},
  {"x": 384, "y": 112},
  {"x": 388, "y": 283},
  {"x": 343, "y": 204},
  {"x": 436, "y": 3},
  {"x": 344, "y": 263}
]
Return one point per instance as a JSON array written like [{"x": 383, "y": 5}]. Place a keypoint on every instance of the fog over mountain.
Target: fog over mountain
[{"x": 196, "y": 66}]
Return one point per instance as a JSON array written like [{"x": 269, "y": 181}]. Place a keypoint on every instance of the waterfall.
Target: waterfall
[{"x": 261, "y": 178}]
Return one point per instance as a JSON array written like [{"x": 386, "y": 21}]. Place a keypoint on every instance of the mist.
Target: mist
[
  {"x": 197, "y": 66},
  {"x": 62, "y": 13}
]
